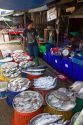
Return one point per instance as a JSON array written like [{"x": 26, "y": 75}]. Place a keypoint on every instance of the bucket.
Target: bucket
[
  {"x": 12, "y": 94},
  {"x": 66, "y": 114},
  {"x": 10, "y": 97},
  {"x": 23, "y": 117},
  {"x": 32, "y": 77},
  {"x": 3, "y": 90},
  {"x": 79, "y": 105}
]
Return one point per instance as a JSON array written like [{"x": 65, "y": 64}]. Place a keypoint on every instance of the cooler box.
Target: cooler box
[
  {"x": 77, "y": 72},
  {"x": 67, "y": 67},
  {"x": 57, "y": 63}
]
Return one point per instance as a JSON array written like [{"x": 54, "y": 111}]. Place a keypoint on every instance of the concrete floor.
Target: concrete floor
[{"x": 5, "y": 110}]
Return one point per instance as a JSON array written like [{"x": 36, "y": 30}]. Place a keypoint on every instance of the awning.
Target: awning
[
  {"x": 22, "y": 4},
  {"x": 39, "y": 9},
  {"x": 78, "y": 13}
]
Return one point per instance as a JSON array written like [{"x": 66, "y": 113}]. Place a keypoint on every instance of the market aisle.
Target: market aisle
[{"x": 5, "y": 113}]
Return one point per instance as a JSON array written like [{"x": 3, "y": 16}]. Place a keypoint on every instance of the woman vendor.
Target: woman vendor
[{"x": 30, "y": 34}]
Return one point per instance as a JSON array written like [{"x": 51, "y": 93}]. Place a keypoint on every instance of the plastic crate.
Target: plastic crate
[
  {"x": 77, "y": 72},
  {"x": 67, "y": 67},
  {"x": 45, "y": 56},
  {"x": 57, "y": 63},
  {"x": 50, "y": 59}
]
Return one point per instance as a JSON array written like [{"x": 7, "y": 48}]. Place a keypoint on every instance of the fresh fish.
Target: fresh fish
[
  {"x": 18, "y": 84},
  {"x": 60, "y": 100},
  {"x": 77, "y": 86},
  {"x": 27, "y": 101},
  {"x": 45, "y": 82},
  {"x": 79, "y": 120},
  {"x": 47, "y": 119}
]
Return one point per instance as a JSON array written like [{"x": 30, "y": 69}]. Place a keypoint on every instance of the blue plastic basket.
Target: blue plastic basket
[
  {"x": 50, "y": 59},
  {"x": 67, "y": 67},
  {"x": 77, "y": 72},
  {"x": 10, "y": 97},
  {"x": 45, "y": 56},
  {"x": 57, "y": 63}
]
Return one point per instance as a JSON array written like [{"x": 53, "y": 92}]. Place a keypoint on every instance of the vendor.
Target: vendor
[
  {"x": 51, "y": 41},
  {"x": 81, "y": 45},
  {"x": 31, "y": 43}
]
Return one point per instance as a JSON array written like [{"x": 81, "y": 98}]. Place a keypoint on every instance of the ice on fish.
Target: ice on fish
[
  {"x": 27, "y": 101},
  {"x": 45, "y": 82}
]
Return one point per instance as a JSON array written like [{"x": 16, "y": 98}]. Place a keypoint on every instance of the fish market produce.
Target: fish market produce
[
  {"x": 47, "y": 119},
  {"x": 18, "y": 84},
  {"x": 18, "y": 51},
  {"x": 74, "y": 118},
  {"x": 11, "y": 73},
  {"x": 26, "y": 64},
  {"x": 80, "y": 93},
  {"x": 28, "y": 101},
  {"x": 61, "y": 99},
  {"x": 19, "y": 57},
  {"x": 77, "y": 86},
  {"x": 45, "y": 82},
  {"x": 79, "y": 120},
  {"x": 9, "y": 65},
  {"x": 36, "y": 71},
  {"x": 6, "y": 59}
]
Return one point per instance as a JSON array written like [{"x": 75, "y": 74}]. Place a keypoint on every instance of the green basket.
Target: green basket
[
  {"x": 79, "y": 105},
  {"x": 42, "y": 49}
]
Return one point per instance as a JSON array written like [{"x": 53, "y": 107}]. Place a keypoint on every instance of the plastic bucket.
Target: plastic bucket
[
  {"x": 66, "y": 114},
  {"x": 79, "y": 105},
  {"x": 10, "y": 97},
  {"x": 32, "y": 77},
  {"x": 24, "y": 118}
]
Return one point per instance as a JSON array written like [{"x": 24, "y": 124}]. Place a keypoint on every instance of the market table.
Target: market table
[{"x": 10, "y": 33}]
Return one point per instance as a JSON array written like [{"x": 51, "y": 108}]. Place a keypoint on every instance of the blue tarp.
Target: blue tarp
[{"x": 22, "y": 4}]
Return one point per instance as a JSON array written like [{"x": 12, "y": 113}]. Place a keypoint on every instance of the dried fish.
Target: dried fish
[
  {"x": 28, "y": 101},
  {"x": 18, "y": 84},
  {"x": 63, "y": 101},
  {"x": 45, "y": 82}
]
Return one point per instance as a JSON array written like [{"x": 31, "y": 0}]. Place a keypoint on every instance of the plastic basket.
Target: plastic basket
[
  {"x": 57, "y": 63},
  {"x": 67, "y": 67},
  {"x": 77, "y": 72},
  {"x": 45, "y": 56}
]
